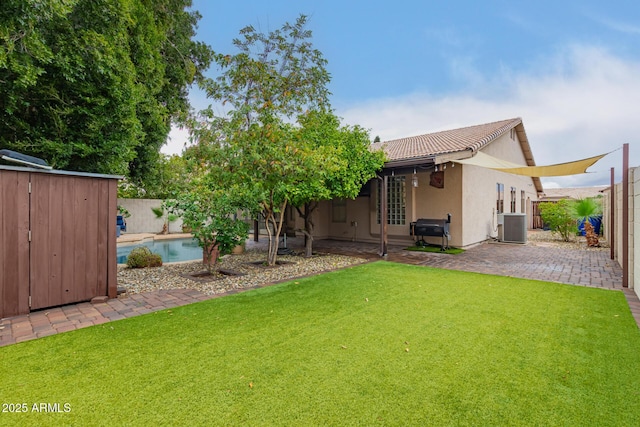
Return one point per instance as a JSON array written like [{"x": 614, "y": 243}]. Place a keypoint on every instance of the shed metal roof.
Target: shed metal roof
[{"x": 59, "y": 172}]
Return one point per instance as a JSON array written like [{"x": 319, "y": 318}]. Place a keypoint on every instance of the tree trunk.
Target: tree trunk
[
  {"x": 592, "y": 238},
  {"x": 309, "y": 208},
  {"x": 210, "y": 256},
  {"x": 272, "y": 231},
  {"x": 269, "y": 225},
  {"x": 308, "y": 238},
  {"x": 274, "y": 226}
]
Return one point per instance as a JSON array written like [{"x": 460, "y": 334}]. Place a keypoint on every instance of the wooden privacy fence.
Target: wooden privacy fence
[
  {"x": 535, "y": 215},
  {"x": 57, "y": 238}
]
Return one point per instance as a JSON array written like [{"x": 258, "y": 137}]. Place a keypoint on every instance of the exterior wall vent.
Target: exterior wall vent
[{"x": 512, "y": 227}]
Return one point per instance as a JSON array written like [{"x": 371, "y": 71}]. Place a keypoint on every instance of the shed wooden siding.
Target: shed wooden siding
[
  {"x": 14, "y": 243},
  {"x": 72, "y": 253}
]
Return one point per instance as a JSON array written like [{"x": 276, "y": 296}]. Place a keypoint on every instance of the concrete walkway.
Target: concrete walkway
[{"x": 578, "y": 267}]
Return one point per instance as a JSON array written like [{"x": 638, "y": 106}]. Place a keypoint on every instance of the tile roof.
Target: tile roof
[
  {"x": 470, "y": 138},
  {"x": 573, "y": 192}
]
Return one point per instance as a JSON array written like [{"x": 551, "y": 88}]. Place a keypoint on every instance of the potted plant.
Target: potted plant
[
  {"x": 239, "y": 248},
  {"x": 588, "y": 212},
  {"x": 121, "y": 220}
]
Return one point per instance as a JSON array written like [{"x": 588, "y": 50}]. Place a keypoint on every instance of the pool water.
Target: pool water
[{"x": 172, "y": 250}]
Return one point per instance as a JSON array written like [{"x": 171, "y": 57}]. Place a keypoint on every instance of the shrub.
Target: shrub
[
  {"x": 559, "y": 217},
  {"x": 143, "y": 257}
]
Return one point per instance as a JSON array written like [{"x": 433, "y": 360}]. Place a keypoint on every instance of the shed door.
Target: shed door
[{"x": 68, "y": 259}]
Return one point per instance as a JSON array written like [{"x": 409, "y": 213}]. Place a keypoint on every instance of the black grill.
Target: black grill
[{"x": 431, "y": 228}]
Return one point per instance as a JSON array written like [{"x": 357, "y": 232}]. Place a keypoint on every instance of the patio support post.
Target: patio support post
[
  {"x": 612, "y": 216},
  {"x": 256, "y": 230},
  {"x": 383, "y": 216},
  {"x": 625, "y": 215}
]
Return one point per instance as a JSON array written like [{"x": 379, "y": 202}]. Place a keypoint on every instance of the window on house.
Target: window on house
[
  {"x": 396, "y": 210},
  {"x": 523, "y": 203},
  {"x": 339, "y": 210},
  {"x": 513, "y": 200},
  {"x": 500, "y": 198}
]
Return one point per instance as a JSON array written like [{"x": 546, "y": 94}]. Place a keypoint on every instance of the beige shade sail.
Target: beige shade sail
[{"x": 561, "y": 169}]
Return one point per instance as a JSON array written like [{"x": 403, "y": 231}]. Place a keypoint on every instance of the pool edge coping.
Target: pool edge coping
[{"x": 134, "y": 238}]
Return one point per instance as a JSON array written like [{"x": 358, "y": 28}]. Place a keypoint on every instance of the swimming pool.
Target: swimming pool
[{"x": 171, "y": 250}]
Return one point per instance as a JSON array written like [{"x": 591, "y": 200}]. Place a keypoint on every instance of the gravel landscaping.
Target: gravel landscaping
[
  {"x": 249, "y": 271},
  {"x": 248, "y": 268},
  {"x": 549, "y": 239}
]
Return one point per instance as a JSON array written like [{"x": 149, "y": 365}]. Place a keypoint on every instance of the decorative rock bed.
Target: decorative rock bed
[
  {"x": 550, "y": 239},
  {"x": 246, "y": 270},
  {"x": 238, "y": 272}
]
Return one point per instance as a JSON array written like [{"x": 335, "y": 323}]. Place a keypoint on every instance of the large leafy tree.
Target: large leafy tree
[
  {"x": 170, "y": 177},
  {"x": 93, "y": 85},
  {"x": 345, "y": 164},
  {"x": 273, "y": 79},
  {"x": 169, "y": 61}
]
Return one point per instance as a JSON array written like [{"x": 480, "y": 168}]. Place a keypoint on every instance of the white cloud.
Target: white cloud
[
  {"x": 176, "y": 141},
  {"x": 580, "y": 102},
  {"x": 178, "y": 138},
  {"x": 619, "y": 26}
]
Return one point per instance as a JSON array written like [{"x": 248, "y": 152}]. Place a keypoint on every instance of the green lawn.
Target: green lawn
[
  {"x": 435, "y": 249},
  {"x": 377, "y": 344}
]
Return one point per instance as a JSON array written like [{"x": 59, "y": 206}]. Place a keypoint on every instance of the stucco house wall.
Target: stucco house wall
[
  {"x": 469, "y": 195},
  {"x": 355, "y": 227},
  {"x": 432, "y": 202},
  {"x": 479, "y": 191},
  {"x": 320, "y": 221}
]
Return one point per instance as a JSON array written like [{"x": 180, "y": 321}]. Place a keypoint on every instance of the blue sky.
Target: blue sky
[{"x": 570, "y": 69}]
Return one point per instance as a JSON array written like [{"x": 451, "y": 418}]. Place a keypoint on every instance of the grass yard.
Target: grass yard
[
  {"x": 376, "y": 344},
  {"x": 435, "y": 249}
]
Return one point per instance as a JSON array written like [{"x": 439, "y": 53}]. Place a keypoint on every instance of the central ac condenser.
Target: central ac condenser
[{"x": 512, "y": 227}]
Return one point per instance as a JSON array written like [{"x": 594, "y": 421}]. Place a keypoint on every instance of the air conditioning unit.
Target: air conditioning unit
[{"x": 512, "y": 227}]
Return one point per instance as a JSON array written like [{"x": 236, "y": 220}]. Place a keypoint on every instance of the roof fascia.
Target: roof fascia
[
  {"x": 528, "y": 154},
  {"x": 458, "y": 155},
  {"x": 416, "y": 161}
]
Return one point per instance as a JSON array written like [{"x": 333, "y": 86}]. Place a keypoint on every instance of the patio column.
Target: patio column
[
  {"x": 612, "y": 216},
  {"x": 383, "y": 216},
  {"x": 625, "y": 215},
  {"x": 256, "y": 230}
]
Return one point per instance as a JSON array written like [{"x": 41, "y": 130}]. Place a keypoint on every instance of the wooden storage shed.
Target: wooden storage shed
[{"x": 57, "y": 238}]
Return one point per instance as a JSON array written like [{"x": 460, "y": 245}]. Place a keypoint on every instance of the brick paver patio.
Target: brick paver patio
[{"x": 579, "y": 267}]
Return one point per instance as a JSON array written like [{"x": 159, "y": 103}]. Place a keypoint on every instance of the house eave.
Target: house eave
[
  {"x": 404, "y": 166},
  {"x": 410, "y": 165},
  {"x": 457, "y": 155},
  {"x": 528, "y": 155}
]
